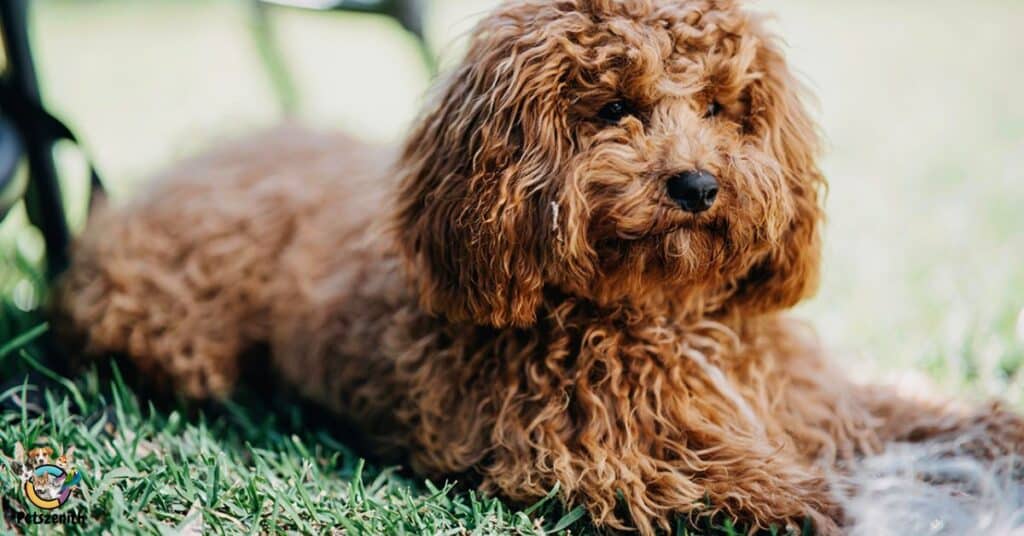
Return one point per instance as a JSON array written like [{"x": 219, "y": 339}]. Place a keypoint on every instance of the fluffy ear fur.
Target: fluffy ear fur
[
  {"x": 474, "y": 199},
  {"x": 789, "y": 273}
]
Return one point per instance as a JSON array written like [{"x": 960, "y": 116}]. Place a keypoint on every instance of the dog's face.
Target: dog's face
[
  {"x": 40, "y": 456},
  {"x": 639, "y": 151}
]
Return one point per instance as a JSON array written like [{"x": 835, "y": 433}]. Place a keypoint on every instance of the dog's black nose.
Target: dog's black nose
[{"x": 694, "y": 191}]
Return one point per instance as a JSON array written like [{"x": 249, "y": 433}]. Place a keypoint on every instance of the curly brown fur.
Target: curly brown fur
[{"x": 533, "y": 309}]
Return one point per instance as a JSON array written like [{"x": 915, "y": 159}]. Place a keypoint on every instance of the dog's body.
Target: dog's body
[{"x": 516, "y": 311}]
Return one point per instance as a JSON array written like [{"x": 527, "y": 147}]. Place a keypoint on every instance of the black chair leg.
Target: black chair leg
[{"x": 42, "y": 198}]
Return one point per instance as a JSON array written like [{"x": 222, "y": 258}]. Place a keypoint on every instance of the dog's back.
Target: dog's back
[{"x": 184, "y": 277}]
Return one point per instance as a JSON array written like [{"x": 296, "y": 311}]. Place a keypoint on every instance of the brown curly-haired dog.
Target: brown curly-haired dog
[{"x": 572, "y": 275}]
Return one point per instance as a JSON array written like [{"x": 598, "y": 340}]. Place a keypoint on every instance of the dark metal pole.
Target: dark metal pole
[{"x": 42, "y": 199}]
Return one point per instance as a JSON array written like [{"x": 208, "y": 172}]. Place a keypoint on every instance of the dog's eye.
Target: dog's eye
[
  {"x": 614, "y": 111},
  {"x": 713, "y": 110}
]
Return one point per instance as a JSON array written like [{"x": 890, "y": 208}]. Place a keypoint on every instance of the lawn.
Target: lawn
[{"x": 923, "y": 276}]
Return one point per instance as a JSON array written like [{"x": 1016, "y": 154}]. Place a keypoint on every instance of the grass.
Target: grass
[
  {"x": 234, "y": 469},
  {"x": 924, "y": 269},
  {"x": 247, "y": 466}
]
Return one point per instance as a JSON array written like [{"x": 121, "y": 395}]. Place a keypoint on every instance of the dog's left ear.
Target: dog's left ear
[
  {"x": 789, "y": 272},
  {"x": 474, "y": 210}
]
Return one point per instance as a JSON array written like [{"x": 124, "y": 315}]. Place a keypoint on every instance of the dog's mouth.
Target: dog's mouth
[
  {"x": 708, "y": 237},
  {"x": 669, "y": 220}
]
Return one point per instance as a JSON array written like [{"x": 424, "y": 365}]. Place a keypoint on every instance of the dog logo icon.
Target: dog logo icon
[{"x": 46, "y": 485}]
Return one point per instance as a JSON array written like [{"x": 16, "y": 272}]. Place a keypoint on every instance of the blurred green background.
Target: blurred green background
[{"x": 922, "y": 102}]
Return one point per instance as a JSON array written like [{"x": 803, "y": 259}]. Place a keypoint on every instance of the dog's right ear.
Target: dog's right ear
[
  {"x": 789, "y": 273},
  {"x": 474, "y": 211}
]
